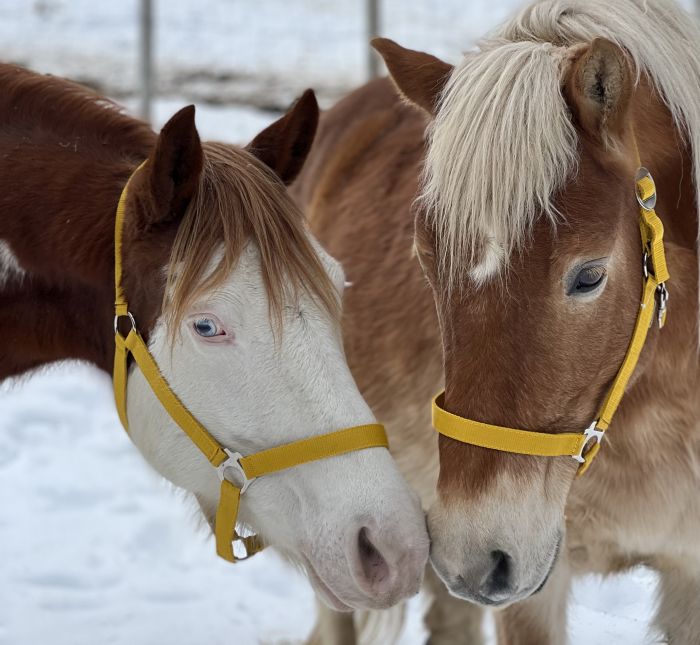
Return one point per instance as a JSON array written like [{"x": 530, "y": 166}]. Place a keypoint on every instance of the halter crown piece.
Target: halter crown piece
[
  {"x": 235, "y": 471},
  {"x": 583, "y": 447}
]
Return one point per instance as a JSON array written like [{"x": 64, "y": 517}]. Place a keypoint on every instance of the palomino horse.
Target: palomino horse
[
  {"x": 527, "y": 230},
  {"x": 236, "y": 300}
]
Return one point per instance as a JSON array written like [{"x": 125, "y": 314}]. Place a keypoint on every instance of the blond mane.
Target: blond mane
[
  {"x": 239, "y": 200},
  {"x": 502, "y": 143}
]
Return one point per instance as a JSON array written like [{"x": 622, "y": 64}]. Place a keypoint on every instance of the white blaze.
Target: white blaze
[{"x": 10, "y": 268}]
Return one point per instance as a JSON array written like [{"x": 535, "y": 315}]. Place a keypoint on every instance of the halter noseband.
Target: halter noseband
[
  {"x": 584, "y": 447},
  {"x": 235, "y": 471}
]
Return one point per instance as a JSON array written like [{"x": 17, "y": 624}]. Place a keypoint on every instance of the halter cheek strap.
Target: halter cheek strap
[
  {"x": 583, "y": 447},
  {"x": 235, "y": 471}
]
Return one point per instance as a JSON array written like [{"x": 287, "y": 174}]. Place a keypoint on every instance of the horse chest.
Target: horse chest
[{"x": 620, "y": 515}]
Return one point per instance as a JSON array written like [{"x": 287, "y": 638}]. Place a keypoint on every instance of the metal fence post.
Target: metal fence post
[
  {"x": 372, "y": 31},
  {"x": 146, "y": 59}
]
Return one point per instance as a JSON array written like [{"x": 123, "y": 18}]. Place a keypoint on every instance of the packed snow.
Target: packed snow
[{"x": 95, "y": 547}]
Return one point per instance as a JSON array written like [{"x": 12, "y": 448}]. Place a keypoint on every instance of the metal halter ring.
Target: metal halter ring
[
  {"x": 649, "y": 203},
  {"x": 232, "y": 470},
  {"x": 128, "y": 315},
  {"x": 590, "y": 433}
]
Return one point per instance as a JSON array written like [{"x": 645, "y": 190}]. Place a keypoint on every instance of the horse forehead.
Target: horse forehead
[
  {"x": 587, "y": 207},
  {"x": 248, "y": 269}
]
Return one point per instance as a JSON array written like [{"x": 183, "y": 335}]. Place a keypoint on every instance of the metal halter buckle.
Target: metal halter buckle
[
  {"x": 649, "y": 203},
  {"x": 232, "y": 470},
  {"x": 246, "y": 546},
  {"x": 663, "y": 296},
  {"x": 590, "y": 433},
  {"x": 128, "y": 315}
]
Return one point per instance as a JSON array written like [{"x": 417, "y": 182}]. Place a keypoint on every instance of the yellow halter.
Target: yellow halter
[
  {"x": 235, "y": 471},
  {"x": 576, "y": 445}
]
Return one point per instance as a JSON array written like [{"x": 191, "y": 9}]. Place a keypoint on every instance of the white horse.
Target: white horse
[{"x": 238, "y": 305}]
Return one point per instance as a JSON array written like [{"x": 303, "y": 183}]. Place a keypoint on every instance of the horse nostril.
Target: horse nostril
[
  {"x": 499, "y": 580},
  {"x": 375, "y": 570}
]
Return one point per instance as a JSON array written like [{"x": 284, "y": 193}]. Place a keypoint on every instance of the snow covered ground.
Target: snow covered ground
[{"x": 93, "y": 546}]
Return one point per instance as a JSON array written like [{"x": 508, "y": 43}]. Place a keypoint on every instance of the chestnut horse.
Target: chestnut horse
[
  {"x": 526, "y": 223},
  {"x": 238, "y": 304}
]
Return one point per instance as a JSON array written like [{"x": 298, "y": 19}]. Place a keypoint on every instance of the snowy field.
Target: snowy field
[
  {"x": 259, "y": 52},
  {"x": 95, "y": 547},
  {"x": 262, "y": 52}
]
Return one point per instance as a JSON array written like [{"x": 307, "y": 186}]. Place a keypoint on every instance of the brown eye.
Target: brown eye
[{"x": 589, "y": 279}]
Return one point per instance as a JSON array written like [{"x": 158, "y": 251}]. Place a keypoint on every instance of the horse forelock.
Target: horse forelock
[
  {"x": 239, "y": 200},
  {"x": 502, "y": 144}
]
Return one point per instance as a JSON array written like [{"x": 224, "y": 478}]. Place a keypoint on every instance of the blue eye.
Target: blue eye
[{"x": 206, "y": 327}]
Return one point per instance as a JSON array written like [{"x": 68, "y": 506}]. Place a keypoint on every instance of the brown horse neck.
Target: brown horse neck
[
  {"x": 672, "y": 375},
  {"x": 59, "y": 187}
]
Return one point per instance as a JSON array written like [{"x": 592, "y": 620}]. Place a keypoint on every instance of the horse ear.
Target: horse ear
[
  {"x": 174, "y": 169},
  {"x": 418, "y": 76},
  {"x": 599, "y": 88},
  {"x": 285, "y": 144}
]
